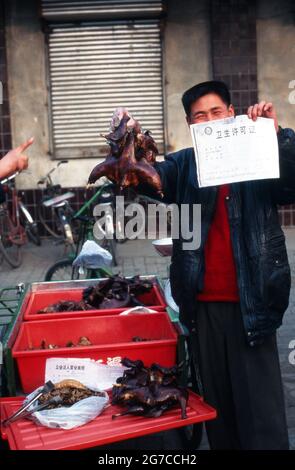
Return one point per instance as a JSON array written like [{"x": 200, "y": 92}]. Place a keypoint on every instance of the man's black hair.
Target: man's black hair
[{"x": 213, "y": 86}]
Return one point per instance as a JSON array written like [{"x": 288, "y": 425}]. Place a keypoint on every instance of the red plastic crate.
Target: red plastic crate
[
  {"x": 111, "y": 336},
  {"x": 41, "y": 299},
  {"x": 26, "y": 435}
]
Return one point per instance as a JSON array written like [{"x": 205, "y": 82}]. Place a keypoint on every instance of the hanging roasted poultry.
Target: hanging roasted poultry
[{"x": 131, "y": 157}]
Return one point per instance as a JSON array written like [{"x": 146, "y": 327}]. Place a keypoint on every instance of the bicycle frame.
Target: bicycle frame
[
  {"x": 17, "y": 235},
  {"x": 85, "y": 233},
  {"x": 86, "y": 229},
  {"x": 57, "y": 203}
]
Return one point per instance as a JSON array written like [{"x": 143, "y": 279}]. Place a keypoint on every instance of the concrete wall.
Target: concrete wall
[
  {"x": 186, "y": 62},
  {"x": 28, "y": 96},
  {"x": 276, "y": 55}
]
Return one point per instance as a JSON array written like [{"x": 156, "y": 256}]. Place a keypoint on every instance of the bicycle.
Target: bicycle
[
  {"x": 111, "y": 229},
  {"x": 63, "y": 270},
  {"x": 15, "y": 227},
  {"x": 55, "y": 211}
]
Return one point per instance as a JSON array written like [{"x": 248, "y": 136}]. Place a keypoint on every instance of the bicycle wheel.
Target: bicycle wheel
[
  {"x": 192, "y": 436},
  {"x": 30, "y": 225},
  {"x": 33, "y": 233},
  {"x": 10, "y": 240},
  {"x": 63, "y": 270},
  {"x": 53, "y": 227},
  {"x": 111, "y": 246}
]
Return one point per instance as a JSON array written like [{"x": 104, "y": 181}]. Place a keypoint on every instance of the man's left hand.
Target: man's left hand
[{"x": 263, "y": 109}]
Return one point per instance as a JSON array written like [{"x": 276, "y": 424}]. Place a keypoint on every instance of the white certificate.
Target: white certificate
[{"x": 235, "y": 149}]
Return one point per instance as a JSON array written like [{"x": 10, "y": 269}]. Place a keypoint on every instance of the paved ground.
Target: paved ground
[{"x": 139, "y": 257}]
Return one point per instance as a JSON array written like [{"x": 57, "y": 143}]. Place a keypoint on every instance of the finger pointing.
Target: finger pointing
[{"x": 25, "y": 145}]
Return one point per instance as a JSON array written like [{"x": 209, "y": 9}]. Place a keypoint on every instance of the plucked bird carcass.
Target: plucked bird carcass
[{"x": 131, "y": 156}]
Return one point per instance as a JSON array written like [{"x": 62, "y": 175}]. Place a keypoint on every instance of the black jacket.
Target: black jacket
[{"x": 263, "y": 271}]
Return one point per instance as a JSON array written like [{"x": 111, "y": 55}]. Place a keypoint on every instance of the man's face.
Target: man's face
[{"x": 208, "y": 108}]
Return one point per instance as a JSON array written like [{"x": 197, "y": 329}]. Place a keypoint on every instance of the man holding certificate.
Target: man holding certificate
[{"x": 232, "y": 290}]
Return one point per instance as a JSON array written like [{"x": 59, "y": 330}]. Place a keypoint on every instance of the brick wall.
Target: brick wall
[
  {"x": 5, "y": 131},
  {"x": 234, "y": 60},
  {"x": 234, "y": 53},
  {"x": 287, "y": 215}
]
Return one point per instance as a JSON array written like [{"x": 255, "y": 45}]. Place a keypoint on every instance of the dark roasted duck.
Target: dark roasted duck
[
  {"x": 116, "y": 292},
  {"x": 131, "y": 157},
  {"x": 66, "y": 306},
  {"x": 148, "y": 391}
]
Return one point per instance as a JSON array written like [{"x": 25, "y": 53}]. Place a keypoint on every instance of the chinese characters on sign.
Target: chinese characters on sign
[
  {"x": 235, "y": 149},
  {"x": 91, "y": 373}
]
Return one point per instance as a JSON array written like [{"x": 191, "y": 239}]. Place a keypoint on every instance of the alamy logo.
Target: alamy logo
[
  {"x": 292, "y": 93},
  {"x": 131, "y": 221}
]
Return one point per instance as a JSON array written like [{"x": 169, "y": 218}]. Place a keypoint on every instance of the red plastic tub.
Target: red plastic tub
[
  {"x": 40, "y": 299},
  {"x": 111, "y": 337}
]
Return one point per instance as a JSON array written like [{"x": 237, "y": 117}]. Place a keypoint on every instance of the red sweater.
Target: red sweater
[{"x": 220, "y": 282}]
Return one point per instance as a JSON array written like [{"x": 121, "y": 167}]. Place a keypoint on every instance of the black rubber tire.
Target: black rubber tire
[
  {"x": 29, "y": 224},
  {"x": 110, "y": 246},
  {"x": 62, "y": 270},
  {"x": 11, "y": 254},
  {"x": 49, "y": 230},
  {"x": 121, "y": 240},
  {"x": 192, "y": 436},
  {"x": 33, "y": 233}
]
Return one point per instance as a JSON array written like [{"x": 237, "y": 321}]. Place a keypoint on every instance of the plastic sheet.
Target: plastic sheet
[{"x": 69, "y": 417}]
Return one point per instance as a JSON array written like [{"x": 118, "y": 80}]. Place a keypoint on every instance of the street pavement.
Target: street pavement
[{"x": 140, "y": 257}]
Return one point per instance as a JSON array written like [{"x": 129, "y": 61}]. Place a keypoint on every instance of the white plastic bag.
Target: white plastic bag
[
  {"x": 69, "y": 417},
  {"x": 138, "y": 309},
  {"x": 92, "y": 256}
]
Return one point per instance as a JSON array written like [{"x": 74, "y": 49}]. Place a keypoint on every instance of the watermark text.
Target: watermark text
[{"x": 133, "y": 221}]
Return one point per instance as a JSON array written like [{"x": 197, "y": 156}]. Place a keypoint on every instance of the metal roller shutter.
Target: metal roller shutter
[
  {"x": 96, "y": 67},
  {"x": 64, "y": 10}
]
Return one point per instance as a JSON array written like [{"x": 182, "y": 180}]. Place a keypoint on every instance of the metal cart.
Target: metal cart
[{"x": 13, "y": 303}]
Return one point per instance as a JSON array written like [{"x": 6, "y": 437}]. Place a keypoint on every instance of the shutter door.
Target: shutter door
[
  {"x": 95, "y": 68},
  {"x": 65, "y": 10}
]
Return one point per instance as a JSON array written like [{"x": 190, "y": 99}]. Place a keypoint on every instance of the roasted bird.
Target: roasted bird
[
  {"x": 66, "y": 306},
  {"x": 148, "y": 391},
  {"x": 131, "y": 157},
  {"x": 116, "y": 292},
  {"x": 83, "y": 341},
  {"x": 70, "y": 391}
]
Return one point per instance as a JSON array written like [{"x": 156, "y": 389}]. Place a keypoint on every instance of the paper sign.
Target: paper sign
[
  {"x": 235, "y": 149},
  {"x": 91, "y": 373}
]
